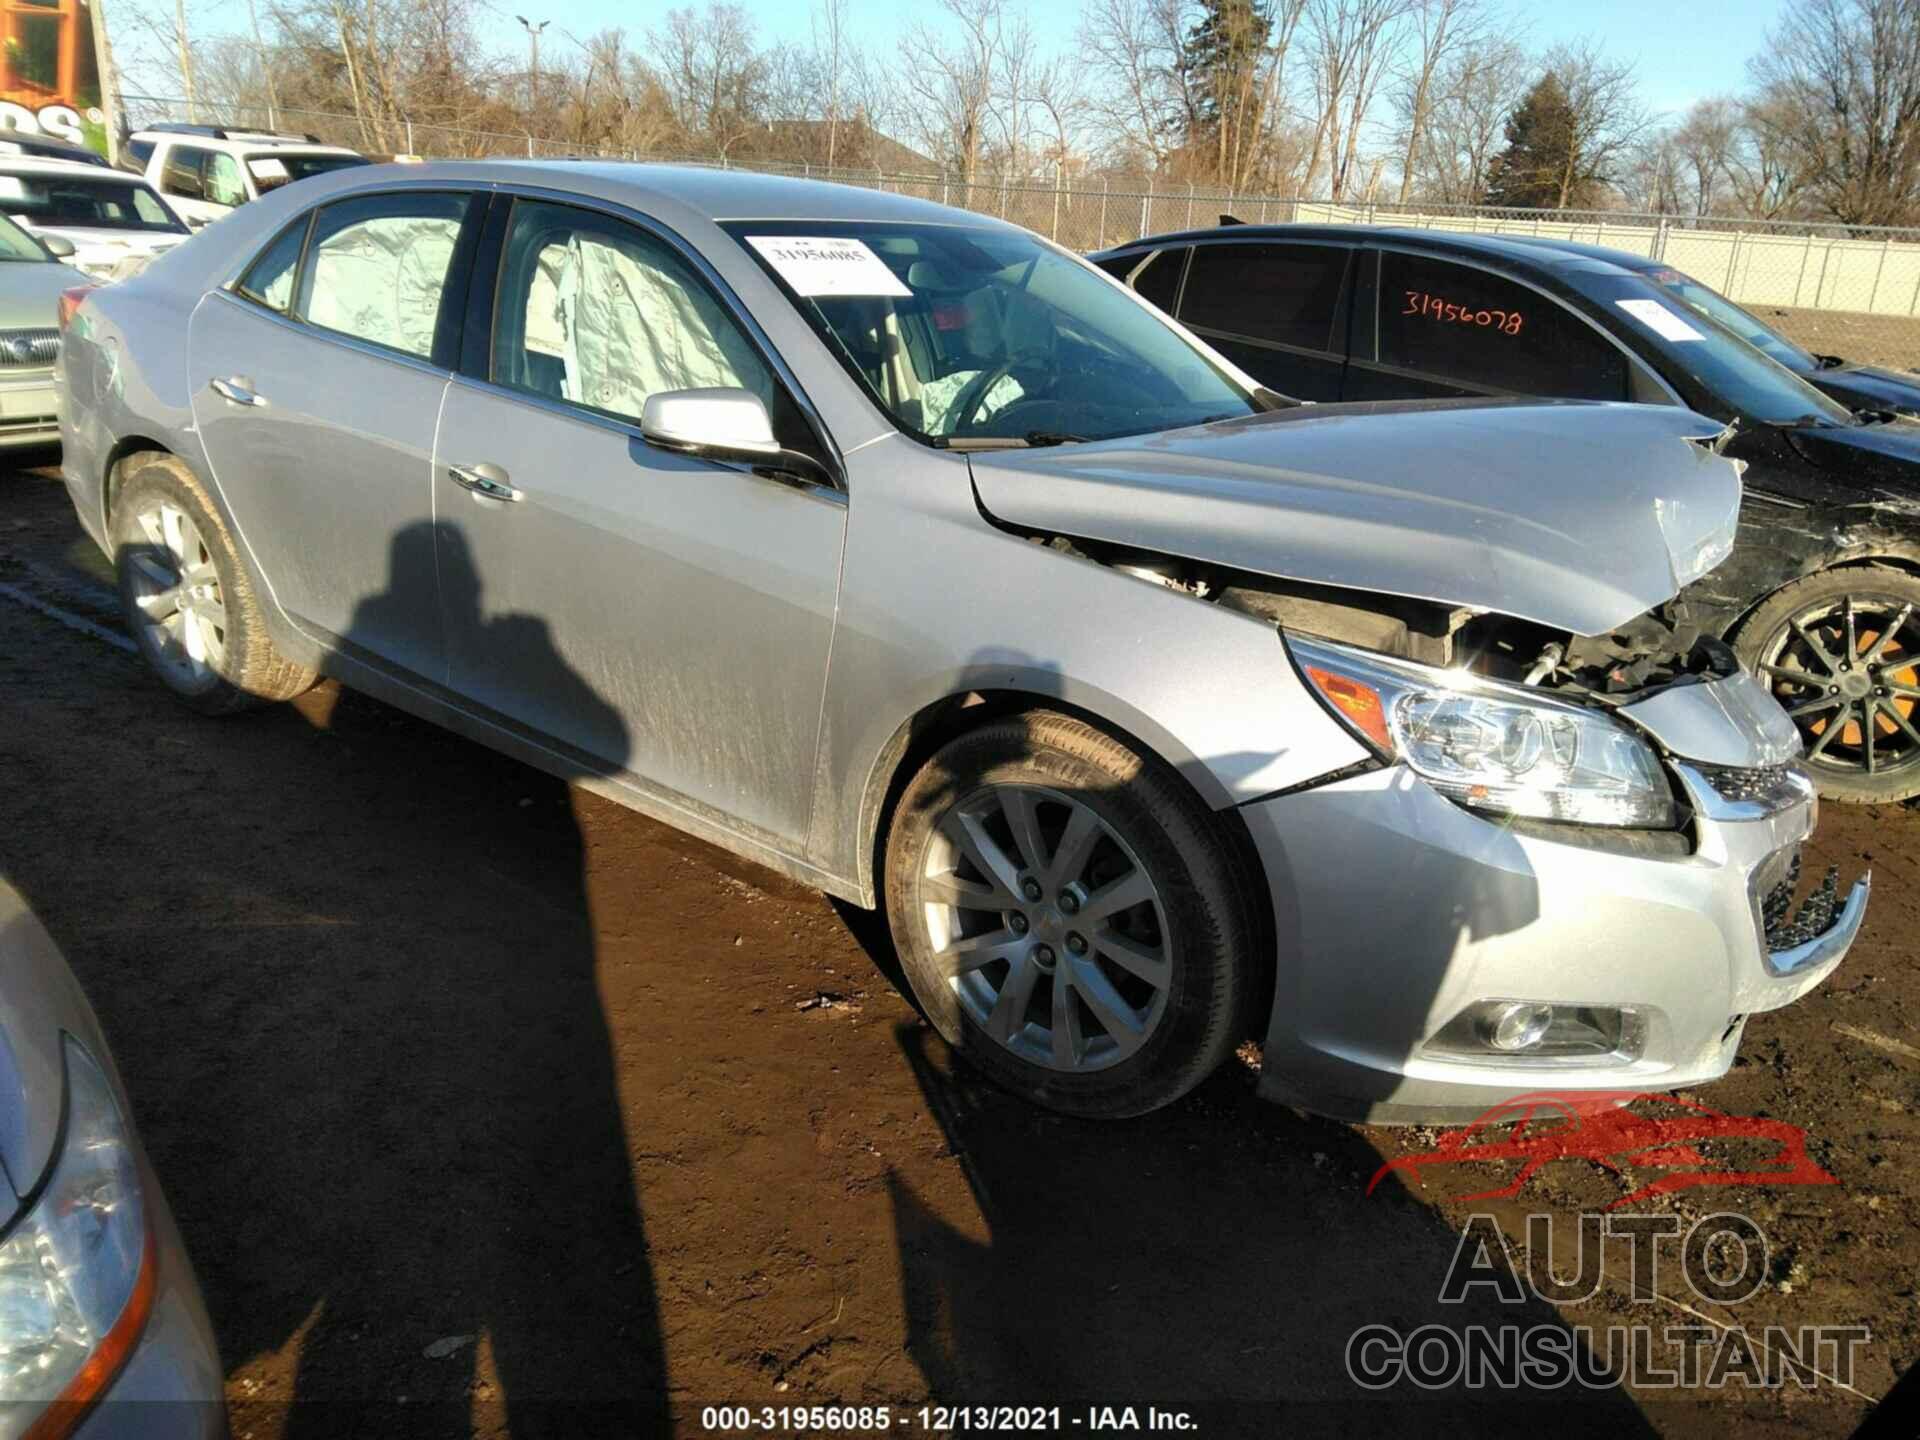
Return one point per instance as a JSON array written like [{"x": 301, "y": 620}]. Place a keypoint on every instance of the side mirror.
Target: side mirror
[
  {"x": 58, "y": 246},
  {"x": 197, "y": 222},
  {"x": 723, "y": 423}
]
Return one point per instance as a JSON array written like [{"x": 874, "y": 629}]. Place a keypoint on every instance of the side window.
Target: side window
[
  {"x": 1285, "y": 294},
  {"x": 141, "y": 151},
  {"x": 1460, "y": 323},
  {"x": 1158, "y": 281},
  {"x": 598, "y": 313},
  {"x": 377, "y": 267},
  {"x": 223, "y": 183},
  {"x": 180, "y": 175},
  {"x": 269, "y": 280}
]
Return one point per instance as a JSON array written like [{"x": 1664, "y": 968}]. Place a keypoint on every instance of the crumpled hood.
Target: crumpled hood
[{"x": 1577, "y": 516}]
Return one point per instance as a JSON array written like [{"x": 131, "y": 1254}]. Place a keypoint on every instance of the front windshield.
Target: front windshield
[
  {"x": 17, "y": 245},
  {"x": 967, "y": 333},
  {"x": 1715, "y": 306},
  {"x": 82, "y": 201},
  {"x": 1743, "y": 381},
  {"x": 273, "y": 168}
]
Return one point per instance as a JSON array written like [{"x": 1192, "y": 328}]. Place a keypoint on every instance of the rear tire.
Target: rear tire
[
  {"x": 187, "y": 598},
  {"x": 1840, "y": 650},
  {"x": 1070, "y": 916}
]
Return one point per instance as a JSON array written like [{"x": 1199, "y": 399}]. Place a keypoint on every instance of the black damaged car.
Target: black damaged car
[
  {"x": 1822, "y": 592},
  {"x": 1856, "y": 386}
]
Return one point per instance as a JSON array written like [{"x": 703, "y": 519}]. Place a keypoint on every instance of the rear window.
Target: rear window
[
  {"x": 1158, "y": 281},
  {"x": 83, "y": 201},
  {"x": 1284, "y": 294},
  {"x": 1460, "y": 323}
]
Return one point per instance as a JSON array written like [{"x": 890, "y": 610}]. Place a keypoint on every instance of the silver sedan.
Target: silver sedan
[
  {"x": 102, "y": 1332},
  {"x": 905, "y": 553}
]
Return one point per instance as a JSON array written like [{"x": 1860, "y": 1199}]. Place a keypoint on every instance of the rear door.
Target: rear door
[
  {"x": 1437, "y": 327},
  {"x": 317, "y": 384},
  {"x": 1277, "y": 309}
]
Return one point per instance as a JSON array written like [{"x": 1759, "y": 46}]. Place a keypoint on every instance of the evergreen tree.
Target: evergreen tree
[
  {"x": 1220, "y": 62},
  {"x": 1541, "y": 168}
]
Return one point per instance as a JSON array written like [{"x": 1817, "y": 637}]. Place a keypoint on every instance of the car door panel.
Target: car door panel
[
  {"x": 324, "y": 474},
  {"x": 665, "y": 615},
  {"x": 321, "y": 439}
]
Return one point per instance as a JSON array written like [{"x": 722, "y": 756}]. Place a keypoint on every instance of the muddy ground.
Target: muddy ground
[
  {"x": 489, "y": 1108},
  {"x": 1864, "y": 339}
]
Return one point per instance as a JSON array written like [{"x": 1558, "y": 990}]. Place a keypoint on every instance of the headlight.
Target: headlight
[
  {"x": 76, "y": 1271},
  {"x": 1493, "y": 747}
]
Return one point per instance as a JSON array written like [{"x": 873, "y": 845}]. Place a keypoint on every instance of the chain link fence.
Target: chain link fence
[{"x": 1835, "y": 289}]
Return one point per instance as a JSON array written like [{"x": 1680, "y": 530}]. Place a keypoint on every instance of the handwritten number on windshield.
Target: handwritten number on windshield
[{"x": 1507, "y": 322}]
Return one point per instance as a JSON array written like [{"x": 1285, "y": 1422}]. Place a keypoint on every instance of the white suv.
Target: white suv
[{"x": 205, "y": 171}]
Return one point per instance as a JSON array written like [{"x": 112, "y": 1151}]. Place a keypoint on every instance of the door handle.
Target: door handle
[
  {"x": 236, "y": 388},
  {"x": 487, "y": 480}
]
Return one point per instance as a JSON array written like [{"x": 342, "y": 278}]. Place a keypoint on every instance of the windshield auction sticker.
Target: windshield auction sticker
[
  {"x": 1659, "y": 319},
  {"x": 825, "y": 268}
]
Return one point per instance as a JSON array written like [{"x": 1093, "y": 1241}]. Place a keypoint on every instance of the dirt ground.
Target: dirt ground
[
  {"x": 1892, "y": 340},
  {"x": 487, "y": 1107}
]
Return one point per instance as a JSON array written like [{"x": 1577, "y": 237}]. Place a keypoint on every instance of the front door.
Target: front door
[
  {"x": 1277, "y": 310},
  {"x": 317, "y": 392},
  {"x": 661, "y": 614}
]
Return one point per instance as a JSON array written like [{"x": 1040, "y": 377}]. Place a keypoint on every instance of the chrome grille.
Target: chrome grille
[
  {"x": 1771, "y": 786},
  {"x": 28, "y": 349}
]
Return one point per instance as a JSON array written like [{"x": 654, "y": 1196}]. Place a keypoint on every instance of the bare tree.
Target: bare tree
[
  {"x": 1474, "y": 91},
  {"x": 947, "y": 81},
  {"x": 1766, "y": 170},
  {"x": 830, "y": 47},
  {"x": 1439, "y": 29},
  {"x": 711, "y": 72},
  {"x": 1606, "y": 118},
  {"x": 1845, "y": 76},
  {"x": 1349, "y": 45},
  {"x": 1140, "y": 100},
  {"x": 1703, "y": 144}
]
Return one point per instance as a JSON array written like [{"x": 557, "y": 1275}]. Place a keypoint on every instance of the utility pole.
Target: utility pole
[
  {"x": 533, "y": 68},
  {"x": 114, "y": 115}
]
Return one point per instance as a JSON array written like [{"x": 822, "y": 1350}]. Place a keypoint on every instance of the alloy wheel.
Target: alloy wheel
[
  {"x": 1845, "y": 669},
  {"x": 1047, "y": 926},
  {"x": 176, "y": 591}
]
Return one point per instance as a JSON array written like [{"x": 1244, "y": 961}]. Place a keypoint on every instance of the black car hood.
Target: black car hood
[
  {"x": 1885, "y": 455},
  {"x": 1870, "y": 387}
]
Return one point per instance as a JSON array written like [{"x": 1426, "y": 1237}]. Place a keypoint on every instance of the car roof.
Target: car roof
[
  {"x": 684, "y": 190},
  {"x": 232, "y": 144},
  {"x": 1512, "y": 251},
  {"x": 46, "y": 165},
  {"x": 1625, "y": 259}
]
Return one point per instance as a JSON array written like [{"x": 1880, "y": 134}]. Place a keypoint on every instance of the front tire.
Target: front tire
[
  {"x": 187, "y": 598},
  {"x": 1070, "y": 917},
  {"x": 1840, "y": 650}
]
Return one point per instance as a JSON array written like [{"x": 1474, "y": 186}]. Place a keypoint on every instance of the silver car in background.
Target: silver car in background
[
  {"x": 907, "y": 554},
  {"x": 102, "y": 1333},
  {"x": 31, "y": 282}
]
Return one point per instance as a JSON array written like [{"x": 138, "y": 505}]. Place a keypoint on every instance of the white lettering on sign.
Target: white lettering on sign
[
  {"x": 60, "y": 121},
  {"x": 1659, "y": 319},
  {"x": 826, "y": 267}
]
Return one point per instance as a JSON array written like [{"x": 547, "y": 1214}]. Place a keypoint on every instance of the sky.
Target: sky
[{"x": 1683, "y": 50}]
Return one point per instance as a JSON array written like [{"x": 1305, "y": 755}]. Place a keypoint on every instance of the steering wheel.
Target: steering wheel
[{"x": 977, "y": 390}]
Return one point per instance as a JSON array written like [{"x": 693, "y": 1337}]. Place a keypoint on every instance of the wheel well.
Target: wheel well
[
  {"x": 122, "y": 450},
  {"x": 1907, "y": 563},
  {"x": 944, "y": 720}
]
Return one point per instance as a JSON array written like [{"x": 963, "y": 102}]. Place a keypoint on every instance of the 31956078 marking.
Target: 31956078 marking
[{"x": 1507, "y": 322}]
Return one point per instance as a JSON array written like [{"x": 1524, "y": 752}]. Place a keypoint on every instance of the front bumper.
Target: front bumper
[
  {"x": 1395, "y": 910},
  {"x": 29, "y": 410}
]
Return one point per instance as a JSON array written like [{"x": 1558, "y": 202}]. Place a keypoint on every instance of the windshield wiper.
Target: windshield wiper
[
  {"x": 1053, "y": 437},
  {"x": 978, "y": 442}
]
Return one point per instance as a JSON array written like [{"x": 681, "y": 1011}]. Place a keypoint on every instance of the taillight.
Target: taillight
[{"x": 70, "y": 303}]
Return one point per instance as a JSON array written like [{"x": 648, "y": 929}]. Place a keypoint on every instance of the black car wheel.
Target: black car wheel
[{"x": 1841, "y": 651}]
